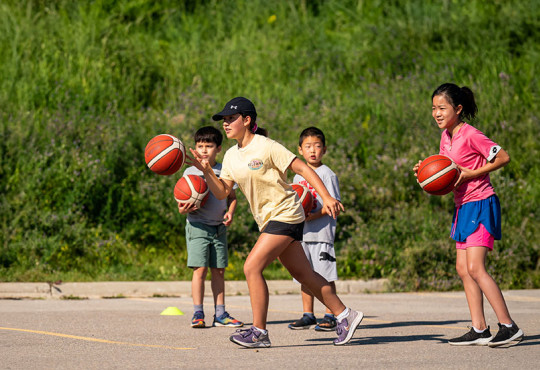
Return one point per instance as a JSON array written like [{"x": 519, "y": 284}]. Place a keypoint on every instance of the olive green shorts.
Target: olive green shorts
[{"x": 206, "y": 245}]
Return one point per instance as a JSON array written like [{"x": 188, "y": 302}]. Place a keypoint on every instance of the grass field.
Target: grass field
[{"x": 84, "y": 86}]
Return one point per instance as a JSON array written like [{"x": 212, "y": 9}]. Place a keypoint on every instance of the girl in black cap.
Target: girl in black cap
[{"x": 259, "y": 165}]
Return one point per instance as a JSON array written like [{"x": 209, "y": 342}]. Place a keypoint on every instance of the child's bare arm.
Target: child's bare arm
[
  {"x": 331, "y": 205},
  {"x": 219, "y": 187},
  {"x": 232, "y": 202}
]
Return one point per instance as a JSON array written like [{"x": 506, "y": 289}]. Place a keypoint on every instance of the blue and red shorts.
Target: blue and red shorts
[{"x": 477, "y": 223}]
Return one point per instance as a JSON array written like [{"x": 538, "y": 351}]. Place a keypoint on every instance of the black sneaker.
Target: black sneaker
[
  {"x": 472, "y": 338},
  {"x": 306, "y": 322},
  {"x": 507, "y": 335},
  {"x": 328, "y": 323}
]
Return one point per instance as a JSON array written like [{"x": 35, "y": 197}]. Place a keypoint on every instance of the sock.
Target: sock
[
  {"x": 311, "y": 315},
  {"x": 198, "y": 307},
  {"x": 509, "y": 325},
  {"x": 343, "y": 315},
  {"x": 479, "y": 331},
  {"x": 261, "y": 330},
  {"x": 220, "y": 310}
]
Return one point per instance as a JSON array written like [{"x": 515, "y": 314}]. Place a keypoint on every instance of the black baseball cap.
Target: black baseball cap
[{"x": 237, "y": 105}]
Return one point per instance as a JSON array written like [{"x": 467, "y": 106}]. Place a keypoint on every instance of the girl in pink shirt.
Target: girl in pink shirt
[{"x": 477, "y": 216}]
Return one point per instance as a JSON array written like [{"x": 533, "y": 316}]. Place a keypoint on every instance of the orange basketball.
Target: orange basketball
[
  {"x": 191, "y": 189},
  {"x": 306, "y": 198},
  {"x": 437, "y": 174},
  {"x": 165, "y": 154}
]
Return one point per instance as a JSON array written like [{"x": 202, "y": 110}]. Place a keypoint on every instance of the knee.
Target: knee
[
  {"x": 476, "y": 271},
  {"x": 251, "y": 269},
  {"x": 462, "y": 271}
]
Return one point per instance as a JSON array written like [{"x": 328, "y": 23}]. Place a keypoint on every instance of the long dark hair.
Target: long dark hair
[{"x": 458, "y": 96}]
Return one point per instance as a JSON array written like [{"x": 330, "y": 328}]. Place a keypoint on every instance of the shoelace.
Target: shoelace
[
  {"x": 340, "y": 327},
  {"x": 244, "y": 332},
  {"x": 225, "y": 316}
]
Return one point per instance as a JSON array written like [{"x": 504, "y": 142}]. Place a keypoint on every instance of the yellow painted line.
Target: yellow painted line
[{"x": 93, "y": 339}]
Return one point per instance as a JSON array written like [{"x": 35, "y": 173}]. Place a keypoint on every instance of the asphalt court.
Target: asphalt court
[{"x": 400, "y": 330}]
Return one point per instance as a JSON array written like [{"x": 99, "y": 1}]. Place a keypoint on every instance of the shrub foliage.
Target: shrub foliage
[{"x": 85, "y": 85}]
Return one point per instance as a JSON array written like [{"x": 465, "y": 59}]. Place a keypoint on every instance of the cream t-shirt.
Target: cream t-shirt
[{"x": 260, "y": 169}]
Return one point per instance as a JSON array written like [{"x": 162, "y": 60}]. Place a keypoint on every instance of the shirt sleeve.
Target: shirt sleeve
[
  {"x": 484, "y": 145},
  {"x": 226, "y": 173},
  {"x": 281, "y": 156}
]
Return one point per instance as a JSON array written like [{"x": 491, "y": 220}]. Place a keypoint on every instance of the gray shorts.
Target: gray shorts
[
  {"x": 322, "y": 259},
  {"x": 206, "y": 245}
]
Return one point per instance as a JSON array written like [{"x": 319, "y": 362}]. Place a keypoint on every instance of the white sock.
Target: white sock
[
  {"x": 479, "y": 331},
  {"x": 343, "y": 315},
  {"x": 509, "y": 325},
  {"x": 261, "y": 330}
]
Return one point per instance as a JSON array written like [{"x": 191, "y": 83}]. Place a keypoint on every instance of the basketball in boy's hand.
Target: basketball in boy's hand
[
  {"x": 437, "y": 174},
  {"x": 191, "y": 189},
  {"x": 164, "y": 154},
  {"x": 306, "y": 198}
]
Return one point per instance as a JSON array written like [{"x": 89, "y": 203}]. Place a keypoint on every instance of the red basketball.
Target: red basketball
[
  {"x": 191, "y": 189},
  {"x": 437, "y": 175},
  {"x": 306, "y": 198},
  {"x": 164, "y": 154}
]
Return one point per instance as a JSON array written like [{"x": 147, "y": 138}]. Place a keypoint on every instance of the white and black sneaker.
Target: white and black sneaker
[
  {"x": 472, "y": 338},
  {"x": 507, "y": 335}
]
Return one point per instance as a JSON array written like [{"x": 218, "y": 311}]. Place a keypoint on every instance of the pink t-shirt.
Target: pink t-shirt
[{"x": 470, "y": 148}]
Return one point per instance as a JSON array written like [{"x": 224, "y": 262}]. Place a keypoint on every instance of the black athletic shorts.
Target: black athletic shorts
[{"x": 295, "y": 231}]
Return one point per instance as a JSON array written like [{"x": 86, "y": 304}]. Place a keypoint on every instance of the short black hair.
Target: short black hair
[
  {"x": 312, "y": 131},
  {"x": 209, "y": 134}
]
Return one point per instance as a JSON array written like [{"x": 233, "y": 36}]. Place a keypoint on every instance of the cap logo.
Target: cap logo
[{"x": 234, "y": 106}]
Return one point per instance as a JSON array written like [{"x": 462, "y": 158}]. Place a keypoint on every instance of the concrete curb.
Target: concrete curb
[{"x": 145, "y": 289}]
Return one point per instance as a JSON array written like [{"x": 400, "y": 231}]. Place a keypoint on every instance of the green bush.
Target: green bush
[{"x": 85, "y": 85}]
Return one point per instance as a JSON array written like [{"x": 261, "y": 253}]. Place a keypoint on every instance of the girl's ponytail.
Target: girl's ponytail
[
  {"x": 469, "y": 104},
  {"x": 256, "y": 129}
]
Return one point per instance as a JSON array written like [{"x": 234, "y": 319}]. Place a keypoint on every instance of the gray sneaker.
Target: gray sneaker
[
  {"x": 346, "y": 328},
  {"x": 251, "y": 338}
]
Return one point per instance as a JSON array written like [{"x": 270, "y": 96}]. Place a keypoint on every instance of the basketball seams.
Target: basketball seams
[
  {"x": 305, "y": 194},
  {"x": 174, "y": 144},
  {"x": 195, "y": 196},
  {"x": 171, "y": 156},
  {"x": 163, "y": 153},
  {"x": 439, "y": 174},
  {"x": 424, "y": 166}
]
